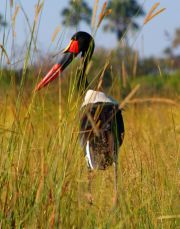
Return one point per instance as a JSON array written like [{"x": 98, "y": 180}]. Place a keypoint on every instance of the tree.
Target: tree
[
  {"x": 123, "y": 15},
  {"x": 76, "y": 12},
  {"x": 176, "y": 40},
  {"x": 174, "y": 43},
  {"x": 2, "y": 22}
]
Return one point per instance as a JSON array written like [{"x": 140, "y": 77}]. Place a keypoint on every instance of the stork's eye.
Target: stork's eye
[{"x": 73, "y": 47}]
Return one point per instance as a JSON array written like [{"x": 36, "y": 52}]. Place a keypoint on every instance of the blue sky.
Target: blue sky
[{"x": 151, "y": 40}]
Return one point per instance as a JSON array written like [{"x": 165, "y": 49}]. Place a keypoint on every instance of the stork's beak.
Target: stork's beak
[{"x": 66, "y": 59}]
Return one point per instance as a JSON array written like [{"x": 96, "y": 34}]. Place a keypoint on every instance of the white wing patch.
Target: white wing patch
[
  {"x": 97, "y": 96},
  {"x": 88, "y": 155}
]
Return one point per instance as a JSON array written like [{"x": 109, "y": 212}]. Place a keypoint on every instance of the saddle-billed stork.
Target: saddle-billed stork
[{"x": 101, "y": 125}]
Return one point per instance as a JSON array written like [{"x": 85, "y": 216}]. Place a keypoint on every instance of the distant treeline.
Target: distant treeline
[{"x": 157, "y": 76}]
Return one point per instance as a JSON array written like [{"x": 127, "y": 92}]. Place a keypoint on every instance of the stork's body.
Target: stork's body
[
  {"x": 101, "y": 127},
  {"x": 101, "y": 132}
]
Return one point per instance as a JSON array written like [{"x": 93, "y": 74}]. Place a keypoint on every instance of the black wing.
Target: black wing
[{"x": 101, "y": 133}]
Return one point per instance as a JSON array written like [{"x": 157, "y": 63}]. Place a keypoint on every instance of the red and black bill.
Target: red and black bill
[{"x": 68, "y": 55}]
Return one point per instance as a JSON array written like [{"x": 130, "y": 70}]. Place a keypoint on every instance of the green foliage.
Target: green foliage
[
  {"x": 76, "y": 12},
  {"x": 123, "y": 16},
  {"x": 167, "y": 84},
  {"x": 156, "y": 85}
]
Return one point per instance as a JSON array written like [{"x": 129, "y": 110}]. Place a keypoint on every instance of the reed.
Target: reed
[
  {"x": 5, "y": 53},
  {"x": 151, "y": 14},
  {"x": 135, "y": 62},
  {"x": 153, "y": 100},
  {"x": 55, "y": 33},
  {"x": 124, "y": 75},
  {"x": 14, "y": 19},
  {"x": 93, "y": 19},
  {"x": 104, "y": 13}
]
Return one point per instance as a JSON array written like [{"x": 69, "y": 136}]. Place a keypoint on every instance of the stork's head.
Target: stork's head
[{"x": 81, "y": 42}]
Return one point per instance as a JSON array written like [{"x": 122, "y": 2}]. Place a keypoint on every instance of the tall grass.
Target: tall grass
[
  {"x": 44, "y": 177},
  {"x": 43, "y": 174}
]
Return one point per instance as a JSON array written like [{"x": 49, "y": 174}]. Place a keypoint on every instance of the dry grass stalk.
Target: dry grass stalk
[
  {"x": 38, "y": 9},
  {"x": 135, "y": 64},
  {"x": 5, "y": 53},
  {"x": 52, "y": 218},
  {"x": 97, "y": 113},
  {"x": 129, "y": 96},
  {"x": 14, "y": 18},
  {"x": 168, "y": 217},
  {"x": 153, "y": 8},
  {"x": 94, "y": 126},
  {"x": 41, "y": 181},
  {"x": 90, "y": 64},
  {"x": 159, "y": 69},
  {"x": 102, "y": 75},
  {"x": 158, "y": 12},
  {"x": 153, "y": 14},
  {"x": 109, "y": 11},
  {"x": 15, "y": 13},
  {"x": 124, "y": 75},
  {"x": 103, "y": 13},
  {"x": 153, "y": 100},
  {"x": 56, "y": 31},
  {"x": 93, "y": 20}
]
